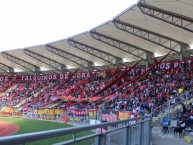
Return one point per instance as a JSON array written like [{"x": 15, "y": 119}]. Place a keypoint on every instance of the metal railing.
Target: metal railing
[{"x": 136, "y": 131}]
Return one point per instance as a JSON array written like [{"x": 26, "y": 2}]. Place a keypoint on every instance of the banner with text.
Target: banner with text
[
  {"x": 46, "y": 77},
  {"x": 109, "y": 115},
  {"x": 49, "y": 111}
]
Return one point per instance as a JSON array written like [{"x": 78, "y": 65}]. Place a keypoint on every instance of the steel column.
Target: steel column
[
  {"x": 102, "y": 138},
  {"x": 128, "y": 134},
  {"x": 182, "y": 51},
  {"x": 119, "y": 62},
  {"x": 6, "y": 69}
]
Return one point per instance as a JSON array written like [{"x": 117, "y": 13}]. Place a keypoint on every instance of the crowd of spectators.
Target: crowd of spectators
[
  {"x": 146, "y": 94},
  {"x": 153, "y": 89}
]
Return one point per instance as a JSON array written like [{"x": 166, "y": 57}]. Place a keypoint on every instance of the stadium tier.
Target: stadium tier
[
  {"x": 134, "y": 72},
  {"x": 101, "y": 89}
]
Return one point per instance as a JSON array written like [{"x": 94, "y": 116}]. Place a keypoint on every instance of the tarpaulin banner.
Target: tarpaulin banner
[
  {"x": 109, "y": 115},
  {"x": 65, "y": 76},
  {"x": 49, "y": 111},
  {"x": 78, "y": 112},
  {"x": 17, "y": 114},
  {"x": 124, "y": 115},
  {"x": 88, "y": 99},
  {"x": 92, "y": 114}
]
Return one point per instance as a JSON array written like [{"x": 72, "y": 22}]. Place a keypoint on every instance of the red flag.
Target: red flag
[{"x": 155, "y": 60}]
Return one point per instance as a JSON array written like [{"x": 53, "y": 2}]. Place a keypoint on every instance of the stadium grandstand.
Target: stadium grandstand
[{"x": 138, "y": 64}]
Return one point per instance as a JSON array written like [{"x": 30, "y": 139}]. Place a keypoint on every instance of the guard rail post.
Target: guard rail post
[
  {"x": 102, "y": 139},
  {"x": 128, "y": 135}
]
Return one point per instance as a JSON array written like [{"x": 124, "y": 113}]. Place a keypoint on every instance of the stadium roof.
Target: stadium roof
[{"x": 150, "y": 28}]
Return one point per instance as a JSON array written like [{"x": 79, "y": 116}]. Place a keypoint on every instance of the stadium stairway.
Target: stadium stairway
[
  {"x": 19, "y": 106},
  {"x": 159, "y": 138},
  {"x": 8, "y": 90}
]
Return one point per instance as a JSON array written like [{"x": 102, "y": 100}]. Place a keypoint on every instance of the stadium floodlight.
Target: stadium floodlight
[
  {"x": 17, "y": 70},
  {"x": 98, "y": 64},
  {"x": 128, "y": 60},
  {"x": 191, "y": 46},
  {"x": 44, "y": 69},
  {"x": 125, "y": 60},
  {"x": 70, "y": 66},
  {"x": 157, "y": 54}
]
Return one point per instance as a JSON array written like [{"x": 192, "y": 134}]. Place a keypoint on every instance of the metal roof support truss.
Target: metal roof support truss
[
  {"x": 123, "y": 46},
  {"x": 6, "y": 68},
  {"x": 52, "y": 63},
  {"x": 107, "y": 67},
  {"x": 71, "y": 57},
  {"x": 93, "y": 51},
  {"x": 153, "y": 37},
  {"x": 178, "y": 20},
  {"x": 21, "y": 62}
]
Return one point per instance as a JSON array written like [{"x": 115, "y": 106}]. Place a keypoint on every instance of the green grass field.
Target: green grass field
[{"x": 30, "y": 125}]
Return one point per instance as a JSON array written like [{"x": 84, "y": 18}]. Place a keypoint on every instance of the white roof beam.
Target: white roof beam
[
  {"x": 166, "y": 42},
  {"x": 175, "y": 19}
]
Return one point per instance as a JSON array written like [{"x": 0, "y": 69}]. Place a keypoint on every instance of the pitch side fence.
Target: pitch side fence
[{"x": 136, "y": 131}]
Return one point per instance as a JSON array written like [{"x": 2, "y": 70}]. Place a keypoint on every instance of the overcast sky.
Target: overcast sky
[{"x": 25, "y": 23}]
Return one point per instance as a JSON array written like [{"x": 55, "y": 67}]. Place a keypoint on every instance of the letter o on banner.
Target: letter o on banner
[
  {"x": 162, "y": 65},
  {"x": 1, "y": 79}
]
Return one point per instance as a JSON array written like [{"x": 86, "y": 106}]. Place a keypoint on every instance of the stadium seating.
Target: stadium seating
[{"x": 143, "y": 95}]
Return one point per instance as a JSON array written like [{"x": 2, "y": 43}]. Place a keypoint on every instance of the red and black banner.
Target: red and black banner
[
  {"x": 109, "y": 115},
  {"x": 45, "y": 77},
  {"x": 79, "y": 112}
]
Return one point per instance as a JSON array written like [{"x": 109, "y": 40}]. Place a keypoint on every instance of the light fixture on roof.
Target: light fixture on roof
[
  {"x": 17, "y": 70},
  {"x": 44, "y": 69},
  {"x": 125, "y": 60},
  {"x": 98, "y": 64},
  {"x": 157, "y": 54},
  {"x": 191, "y": 46},
  {"x": 70, "y": 66},
  {"x": 128, "y": 59}
]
